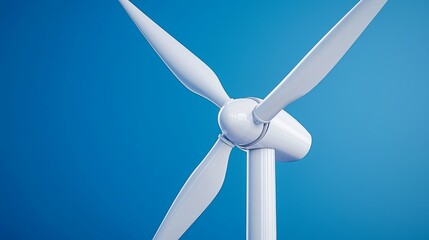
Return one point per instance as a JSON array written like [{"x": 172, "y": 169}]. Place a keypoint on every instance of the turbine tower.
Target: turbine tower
[{"x": 258, "y": 126}]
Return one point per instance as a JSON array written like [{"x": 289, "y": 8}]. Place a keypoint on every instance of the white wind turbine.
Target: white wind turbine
[{"x": 260, "y": 127}]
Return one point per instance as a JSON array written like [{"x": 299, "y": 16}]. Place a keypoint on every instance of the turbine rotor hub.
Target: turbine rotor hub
[{"x": 237, "y": 123}]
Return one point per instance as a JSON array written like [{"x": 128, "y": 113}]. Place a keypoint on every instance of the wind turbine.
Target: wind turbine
[{"x": 260, "y": 127}]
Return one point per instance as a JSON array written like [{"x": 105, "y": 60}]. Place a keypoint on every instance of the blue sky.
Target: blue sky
[{"x": 97, "y": 136}]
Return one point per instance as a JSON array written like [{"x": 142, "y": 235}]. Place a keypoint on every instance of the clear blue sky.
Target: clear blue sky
[{"x": 97, "y": 136}]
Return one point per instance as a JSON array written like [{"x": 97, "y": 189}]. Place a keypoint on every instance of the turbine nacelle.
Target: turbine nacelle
[{"x": 284, "y": 134}]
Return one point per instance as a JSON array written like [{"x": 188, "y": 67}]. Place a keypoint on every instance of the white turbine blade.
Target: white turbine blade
[
  {"x": 188, "y": 68},
  {"x": 320, "y": 60},
  {"x": 198, "y": 192}
]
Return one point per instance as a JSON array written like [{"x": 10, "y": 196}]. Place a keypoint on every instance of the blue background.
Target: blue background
[{"x": 97, "y": 136}]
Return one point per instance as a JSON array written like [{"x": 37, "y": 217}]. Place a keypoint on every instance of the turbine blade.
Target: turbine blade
[
  {"x": 198, "y": 192},
  {"x": 188, "y": 68},
  {"x": 320, "y": 60}
]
